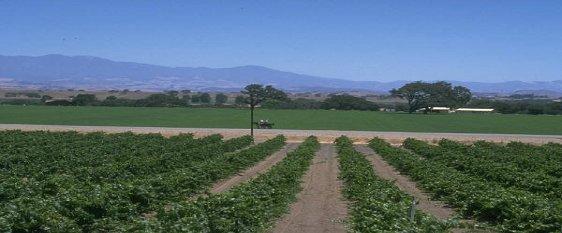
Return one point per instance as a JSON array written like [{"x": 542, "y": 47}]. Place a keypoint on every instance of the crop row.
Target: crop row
[
  {"x": 40, "y": 154},
  {"x": 249, "y": 207},
  {"x": 509, "y": 209},
  {"x": 545, "y": 159},
  {"x": 63, "y": 202},
  {"x": 505, "y": 174},
  {"x": 377, "y": 205},
  {"x": 68, "y": 177}
]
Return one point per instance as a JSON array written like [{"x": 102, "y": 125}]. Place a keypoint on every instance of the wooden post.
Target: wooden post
[
  {"x": 412, "y": 210},
  {"x": 252, "y": 121}
]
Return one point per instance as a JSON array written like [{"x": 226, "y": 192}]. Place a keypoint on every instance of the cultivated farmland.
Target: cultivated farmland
[
  {"x": 97, "y": 182},
  {"x": 283, "y": 119}
]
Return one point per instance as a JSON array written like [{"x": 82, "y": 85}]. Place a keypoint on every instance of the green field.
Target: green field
[{"x": 284, "y": 119}]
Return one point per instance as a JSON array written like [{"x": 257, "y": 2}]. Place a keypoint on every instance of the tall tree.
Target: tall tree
[
  {"x": 461, "y": 96},
  {"x": 428, "y": 95},
  {"x": 275, "y": 94},
  {"x": 254, "y": 94},
  {"x": 417, "y": 94},
  {"x": 440, "y": 95}
]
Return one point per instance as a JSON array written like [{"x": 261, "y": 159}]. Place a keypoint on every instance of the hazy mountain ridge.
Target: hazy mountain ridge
[{"x": 87, "y": 72}]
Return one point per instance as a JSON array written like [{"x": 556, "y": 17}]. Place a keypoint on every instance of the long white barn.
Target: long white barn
[
  {"x": 474, "y": 110},
  {"x": 446, "y": 109}
]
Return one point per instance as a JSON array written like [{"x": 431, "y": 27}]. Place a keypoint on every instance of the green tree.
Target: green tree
[
  {"x": 416, "y": 93},
  {"x": 159, "y": 100},
  {"x": 275, "y": 94},
  {"x": 255, "y": 94},
  {"x": 110, "y": 101},
  {"x": 428, "y": 95},
  {"x": 111, "y": 98},
  {"x": 84, "y": 99},
  {"x": 220, "y": 99},
  {"x": 195, "y": 98},
  {"x": 440, "y": 95},
  {"x": 461, "y": 96},
  {"x": 205, "y": 98},
  {"x": 240, "y": 100},
  {"x": 348, "y": 102}
]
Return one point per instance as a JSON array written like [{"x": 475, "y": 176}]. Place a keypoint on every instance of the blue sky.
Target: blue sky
[{"x": 361, "y": 40}]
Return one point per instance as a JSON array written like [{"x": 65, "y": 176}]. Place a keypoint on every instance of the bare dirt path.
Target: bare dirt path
[
  {"x": 320, "y": 206},
  {"x": 254, "y": 171},
  {"x": 387, "y": 172},
  {"x": 326, "y": 136}
]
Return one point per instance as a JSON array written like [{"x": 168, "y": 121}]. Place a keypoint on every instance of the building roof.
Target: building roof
[
  {"x": 441, "y": 108},
  {"x": 475, "y": 109}
]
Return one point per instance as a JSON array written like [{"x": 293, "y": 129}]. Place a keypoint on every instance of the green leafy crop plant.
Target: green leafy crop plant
[
  {"x": 510, "y": 210},
  {"x": 488, "y": 166},
  {"x": 378, "y": 205},
  {"x": 249, "y": 207}
]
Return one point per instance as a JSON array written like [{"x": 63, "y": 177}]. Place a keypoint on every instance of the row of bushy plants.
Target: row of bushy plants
[
  {"x": 64, "y": 203},
  {"x": 546, "y": 159},
  {"x": 505, "y": 173},
  {"x": 377, "y": 205},
  {"x": 511, "y": 210},
  {"x": 249, "y": 207},
  {"x": 67, "y": 164}
]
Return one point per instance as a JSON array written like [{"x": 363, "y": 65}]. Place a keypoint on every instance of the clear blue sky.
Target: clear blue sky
[{"x": 467, "y": 40}]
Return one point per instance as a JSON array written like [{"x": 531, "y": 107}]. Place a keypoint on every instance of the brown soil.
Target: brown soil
[
  {"x": 254, "y": 171},
  {"x": 319, "y": 206},
  {"x": 387, "y": 172}
]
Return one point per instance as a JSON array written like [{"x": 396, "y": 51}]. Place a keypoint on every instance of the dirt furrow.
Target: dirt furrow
[
  {"x": 320, "y": 206},
  {"x": 255, "y": 170},
  {"x": 387, "y": 172}
]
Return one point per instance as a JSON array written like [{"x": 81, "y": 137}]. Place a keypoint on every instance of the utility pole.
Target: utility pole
[{"x": 252, "y": 121}]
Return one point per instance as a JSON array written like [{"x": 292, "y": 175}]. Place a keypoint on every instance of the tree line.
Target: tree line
[
  {"x": 417, "y": 96},
  {"x": 272, "y": 98},
  {"x": 524, "y": 106},
  {"x": 168, "y": 99}
]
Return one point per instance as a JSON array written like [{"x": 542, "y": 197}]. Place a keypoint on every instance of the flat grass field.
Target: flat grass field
[{"x": 283, "y": 119}]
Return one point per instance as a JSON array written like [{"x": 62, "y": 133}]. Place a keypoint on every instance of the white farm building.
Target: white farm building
[
  {"x": 446, "y": 109},
  {"x": 474, "y": 110}
]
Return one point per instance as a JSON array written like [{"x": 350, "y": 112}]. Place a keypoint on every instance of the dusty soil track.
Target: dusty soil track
[
  {"x": 387, "y": 172},
  {"x": 326, "y": 136},
  {"x": 319, "y": 206},
  {"x": 254, "y": 171}
]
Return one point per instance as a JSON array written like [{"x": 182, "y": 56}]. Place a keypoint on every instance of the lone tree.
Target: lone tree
[
  {"x": 220, "y": 99},
  {"x": 428, "y": 95},
  {"x": 254, "y": 94}
]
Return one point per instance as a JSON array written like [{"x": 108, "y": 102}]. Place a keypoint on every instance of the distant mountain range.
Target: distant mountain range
[{"x": 86, "y": 72}]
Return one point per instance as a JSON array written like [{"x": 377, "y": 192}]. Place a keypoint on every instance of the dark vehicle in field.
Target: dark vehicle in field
[{"x": 264, "y": 124}]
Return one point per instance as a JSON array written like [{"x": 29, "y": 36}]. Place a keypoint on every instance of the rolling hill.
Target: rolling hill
[{"x": 87, "y": 72}]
